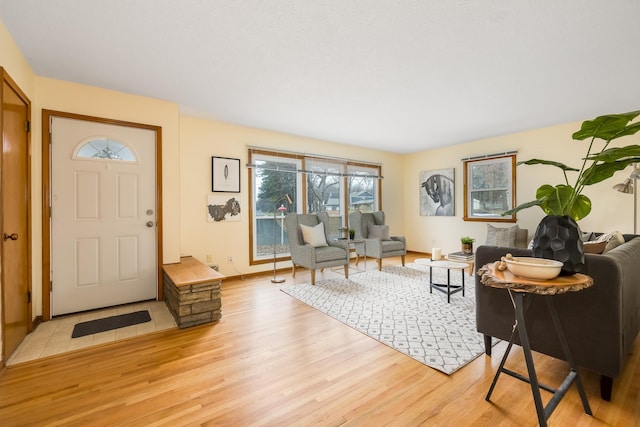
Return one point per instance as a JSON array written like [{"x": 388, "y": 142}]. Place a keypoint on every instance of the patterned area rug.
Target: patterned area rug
[{"x": 394, "y": 306}]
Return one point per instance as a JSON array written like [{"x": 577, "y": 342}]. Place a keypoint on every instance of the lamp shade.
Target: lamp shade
[{"x": 626, "y": 187}]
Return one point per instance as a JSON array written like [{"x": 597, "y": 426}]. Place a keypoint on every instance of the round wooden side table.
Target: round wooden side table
[{"x": 519, "y": 289}]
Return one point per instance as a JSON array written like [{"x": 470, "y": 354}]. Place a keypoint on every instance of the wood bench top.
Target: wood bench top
[{"x": 190, "y": 271}]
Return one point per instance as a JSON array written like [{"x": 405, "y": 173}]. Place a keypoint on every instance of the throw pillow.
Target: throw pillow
[
  {"x": 501, "y": 236},
  {"x": 378, "y": 232},
  {"x": 616, "y": 240},
  {"x": 605, "y": 237},
  {"x": 313, "y": 235},
  {"x": 613, "y": 239},
  {"x": 586, "y": 236},
  {"x": 594, "y": 247}
]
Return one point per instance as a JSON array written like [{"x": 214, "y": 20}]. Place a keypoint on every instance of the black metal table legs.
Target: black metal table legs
[
  {"x": 520, "y": 303},
  {"x": 447, "y": 288}
]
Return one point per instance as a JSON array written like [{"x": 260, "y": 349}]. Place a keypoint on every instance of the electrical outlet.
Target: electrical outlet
[
  {"x": 230, "y": 258},
  {"x": 209, "y": 257}
]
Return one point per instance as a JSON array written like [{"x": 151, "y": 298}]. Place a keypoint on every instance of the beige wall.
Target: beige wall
[
  {"x": 611, "y": 210},
  {"x": 189, "y": 143},
  {"x": 15, "y": 63},
  {"x": 201, "y": 139}
]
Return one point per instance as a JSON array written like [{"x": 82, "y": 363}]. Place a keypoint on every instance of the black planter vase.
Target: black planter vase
[{"x": 558, "y": 238}]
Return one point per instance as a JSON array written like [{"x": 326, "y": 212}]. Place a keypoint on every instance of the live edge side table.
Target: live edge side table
[{"x": 520, "y": 291}]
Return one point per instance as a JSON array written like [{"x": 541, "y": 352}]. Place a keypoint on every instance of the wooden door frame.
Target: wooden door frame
[
  {"x": 14, "y": 86},
  {"x": 47, "y": 116}
]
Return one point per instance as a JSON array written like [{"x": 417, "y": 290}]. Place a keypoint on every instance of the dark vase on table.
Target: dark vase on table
[{"x": 559, "y": 238}]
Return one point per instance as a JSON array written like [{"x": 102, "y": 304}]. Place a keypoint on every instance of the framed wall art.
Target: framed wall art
[
  {"x": 437, "y": 192},
  {"x": 225, "y": 175}
]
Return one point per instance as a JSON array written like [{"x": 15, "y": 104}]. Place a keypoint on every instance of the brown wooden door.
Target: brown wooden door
[{"x": 15, "y": 253}]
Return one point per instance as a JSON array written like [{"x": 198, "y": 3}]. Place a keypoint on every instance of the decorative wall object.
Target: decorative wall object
[
  {"x": 437, "y": 192},
  {"x": 221, "y": 208},
  {"x": 225, "y": 175}
]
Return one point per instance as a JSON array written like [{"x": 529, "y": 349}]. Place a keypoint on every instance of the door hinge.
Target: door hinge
[
  {"x": 51, "y": 286},
  {"x": 27, "y": 126},
  {"x": 28, "y": 297}
]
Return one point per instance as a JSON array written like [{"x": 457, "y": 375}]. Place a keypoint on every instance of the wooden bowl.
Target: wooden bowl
[{"x": 534, "y": 268}]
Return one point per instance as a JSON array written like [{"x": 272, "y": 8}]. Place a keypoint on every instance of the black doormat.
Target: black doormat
[{"x": 109, "y": 323}]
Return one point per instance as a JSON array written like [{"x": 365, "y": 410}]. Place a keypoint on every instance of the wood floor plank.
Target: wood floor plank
[{"x": 272, "y": 360}]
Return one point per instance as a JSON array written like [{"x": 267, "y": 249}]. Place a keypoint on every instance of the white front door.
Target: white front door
[{"x": 103, "y": 218}]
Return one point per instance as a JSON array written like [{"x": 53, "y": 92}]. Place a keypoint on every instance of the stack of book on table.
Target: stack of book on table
[{"x": 460, "y": 256}]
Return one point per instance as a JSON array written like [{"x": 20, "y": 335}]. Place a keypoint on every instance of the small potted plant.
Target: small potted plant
[
  {"x": 467, "y": 244},
  {"x": 352, "y": 233}
]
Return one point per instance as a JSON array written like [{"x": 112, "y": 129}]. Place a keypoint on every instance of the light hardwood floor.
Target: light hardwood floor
[{"x": 272, "y": 360}]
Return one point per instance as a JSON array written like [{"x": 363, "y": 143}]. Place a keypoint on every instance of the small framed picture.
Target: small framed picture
[{"x": 225, "y": 175}]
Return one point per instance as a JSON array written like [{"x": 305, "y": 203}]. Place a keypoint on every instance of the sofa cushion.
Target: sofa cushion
[
  {"x": 313, "y": 235},
  {"x": 522, "y": 234},
  {"x": 329, "y": 253},
  {"x": 501, "y": 236},
  {"x": 378, "y": 231}
]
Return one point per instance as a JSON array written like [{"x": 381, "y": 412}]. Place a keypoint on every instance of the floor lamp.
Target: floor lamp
[
  {"x": 282, "y": 208},
  {"x": 629, "y": 187}
]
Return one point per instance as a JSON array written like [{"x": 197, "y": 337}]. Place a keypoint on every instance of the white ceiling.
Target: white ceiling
[{"x": 396, "y": 75}]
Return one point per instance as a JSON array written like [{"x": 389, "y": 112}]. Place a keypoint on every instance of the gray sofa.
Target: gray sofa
[{"x": 601, "y": 322}]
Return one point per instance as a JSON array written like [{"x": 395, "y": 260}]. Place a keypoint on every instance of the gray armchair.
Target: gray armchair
[
  {"x": 303, "y": 254},
  {"x": 376, "y": 244}
]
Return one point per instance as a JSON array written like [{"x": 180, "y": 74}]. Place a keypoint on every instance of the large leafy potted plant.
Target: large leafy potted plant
[{"x": 558, "y": 235}]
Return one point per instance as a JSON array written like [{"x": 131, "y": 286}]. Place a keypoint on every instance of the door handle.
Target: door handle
[
  {"x": 12, "y": 236},
  {"x": 149, "y": 224}
]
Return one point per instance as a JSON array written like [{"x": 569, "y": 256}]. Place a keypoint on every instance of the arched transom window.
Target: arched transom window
[{"x": 104, "y": 149}]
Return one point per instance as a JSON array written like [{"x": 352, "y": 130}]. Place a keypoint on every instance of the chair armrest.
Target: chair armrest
[
  {"x": 304, "y": 255},
  {"x": 374, "y": 247},
  {"x": 339, "y": 243},
  {"x": 400, "y": 239}
]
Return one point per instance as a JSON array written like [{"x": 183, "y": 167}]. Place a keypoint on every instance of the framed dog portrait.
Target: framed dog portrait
[
  {"x": 225, "y": 175},
  {"x": 437, "y": 192}
]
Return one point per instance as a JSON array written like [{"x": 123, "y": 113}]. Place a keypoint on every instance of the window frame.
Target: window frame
[
  {"x": 506, "y": 159},
  {"x": 346, "y": 169}
]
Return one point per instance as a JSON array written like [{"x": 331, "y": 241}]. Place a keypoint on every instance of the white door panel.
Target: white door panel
[{"x": 103, "y": 251}]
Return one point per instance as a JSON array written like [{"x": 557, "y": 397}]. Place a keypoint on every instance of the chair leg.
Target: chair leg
[
  {"x": 313, "y": 277},
  {"x": 379, "y": 264},
  {"x": 293, "y": 270},
  {"x": 402, "y": 258},
  {"x": 346, "y": 271},
  {"x": 357, "y": 259}
]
